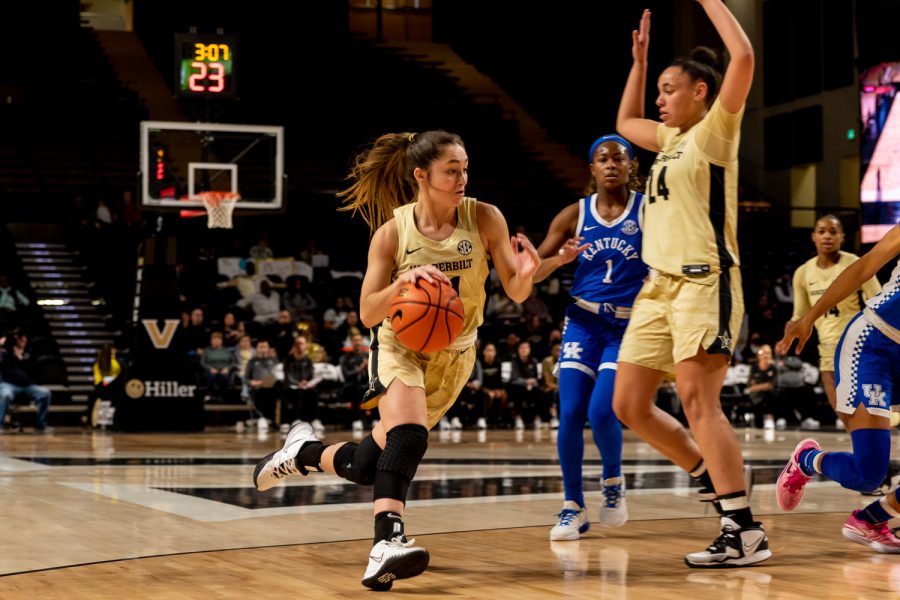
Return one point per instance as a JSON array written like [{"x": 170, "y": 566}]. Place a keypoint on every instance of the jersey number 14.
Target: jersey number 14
[{"x": 658, "y": 187}]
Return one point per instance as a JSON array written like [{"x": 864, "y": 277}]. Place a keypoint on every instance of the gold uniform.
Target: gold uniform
[
  {"x": 810, "y": 282},
  {"x": 464, "y": 260},
  {"x": 693, "y": 296}
]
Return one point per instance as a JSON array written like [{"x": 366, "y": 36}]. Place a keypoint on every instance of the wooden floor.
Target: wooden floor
[{"x": 175, "y": 516}]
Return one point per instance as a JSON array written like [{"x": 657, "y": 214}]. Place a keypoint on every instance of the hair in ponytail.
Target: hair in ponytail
[{"x": 703, "y": 64}]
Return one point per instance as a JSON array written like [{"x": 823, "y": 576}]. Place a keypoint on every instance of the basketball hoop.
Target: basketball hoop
[{"x": 219, "y": 206}]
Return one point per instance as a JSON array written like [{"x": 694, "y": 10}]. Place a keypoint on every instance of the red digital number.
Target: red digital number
[{"x": 214, "y": 72}]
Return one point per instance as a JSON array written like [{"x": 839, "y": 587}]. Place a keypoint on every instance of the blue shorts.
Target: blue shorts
[
  {"x": 866, "y": 364},
  {"x": 590, "y": 342}
]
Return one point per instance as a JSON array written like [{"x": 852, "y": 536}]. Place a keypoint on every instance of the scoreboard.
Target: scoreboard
[{"x": 204, "y": 66}]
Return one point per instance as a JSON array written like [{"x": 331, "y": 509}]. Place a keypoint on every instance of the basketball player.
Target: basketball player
[
  {"x": 687, "y": 315},
  {"x": 602, "y": 232},
  {"x": 410, "y": 189},
  {"x": 812, "y": 278},
  {"x": 867, "y": 364}
]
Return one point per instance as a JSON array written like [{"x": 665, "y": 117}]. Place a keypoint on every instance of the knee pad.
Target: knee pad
[
  {"x": 405, "y": 447},
  {"x": 358, "y": 462}
]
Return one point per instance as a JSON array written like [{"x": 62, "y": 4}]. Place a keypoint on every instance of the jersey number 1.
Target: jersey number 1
[
  {"x": 659, "y": 189},
  {"x": 608, "y": 278}
]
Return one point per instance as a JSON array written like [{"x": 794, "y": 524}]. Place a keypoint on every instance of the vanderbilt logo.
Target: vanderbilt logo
[
  {"x": 160, "y": 339},
  {"x": 875, "y": 394}
]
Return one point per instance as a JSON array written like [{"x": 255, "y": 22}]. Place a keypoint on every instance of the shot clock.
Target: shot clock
[{"x": 204, "y": 66}]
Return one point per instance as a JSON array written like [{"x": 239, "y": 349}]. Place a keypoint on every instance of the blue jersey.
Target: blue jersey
[
  {"x": 610, "y": 271},
  {"x": 886, "y": 305}
]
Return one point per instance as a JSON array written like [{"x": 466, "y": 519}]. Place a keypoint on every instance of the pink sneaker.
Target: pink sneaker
[
  {"x": 789, "y": 489},
  {"x": 879, "y": 538}
]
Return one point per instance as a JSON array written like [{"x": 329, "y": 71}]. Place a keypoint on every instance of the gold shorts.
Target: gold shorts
[
  {"x": 673, "y": 317},
  {"x": 826, "y": 356},
  {"x": 442, "y": 374}
]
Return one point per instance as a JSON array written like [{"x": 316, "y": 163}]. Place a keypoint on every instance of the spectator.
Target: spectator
[
  {"x": 107, "y": 383},
  {"x": 301, "y": 384},
  {"x": 196, "y": 334},
  {"x": 550, "y": 383},
  {"x": 510, "y": 349},
  {"x": 337, "y": 313},
  {"x": 763, "y": 386},
  {"x": 355, "y": 370},
  {"x": 265, "y": 304},
  {"x": 248, "y": 283},
  {"x": 524, "y": 388},
  {"x": 264, "y": 376},
  {"x": 283, "y": 333},
  {"x": 534, "y": 331},
  {"x": 103, "y": 216},
  {"x": 534, "y": 306},
  {"x": 261, "y": 250},
  {"x": 218, "y": 364},
  {"x": 231, "y": 330},
  {"x": 331, "y": 338},
  {"x": 11, "y": 301},
  {"x": 351, "y": 327},
  {"x": 298, "y": 301},
  {"x": 18, "y": 374},
  {"x": 495, "y": 395},
  {"x": 794, "y": 397},
  {"x": 469, "y": 407},
  {"x": 243, "y": 353}
]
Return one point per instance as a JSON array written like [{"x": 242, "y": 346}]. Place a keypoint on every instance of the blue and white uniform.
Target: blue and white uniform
[
  {"x": 867, "y": 361},
  {"x": 609, "y": 275}
]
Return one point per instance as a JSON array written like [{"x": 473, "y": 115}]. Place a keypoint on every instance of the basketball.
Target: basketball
[{"x": 426, "y": 317}]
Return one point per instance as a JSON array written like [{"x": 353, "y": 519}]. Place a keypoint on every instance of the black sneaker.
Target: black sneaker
[{"x": 735, "y": 547}]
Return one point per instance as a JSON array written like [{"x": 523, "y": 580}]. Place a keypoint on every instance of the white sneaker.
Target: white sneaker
[
  {"x": 735, "y": 547},
  {"x": 357, "y": 426},
  {"x": 395, "y": 559},
  {"x": 444, "y": 424},
  {"x": 262, "y": 424},
  {"x": 780, "y": 424},
  {"x": 839, "y": 424},
  {"x": 482, "y": 423},
  {"x": 809, "y": 424},
  {"x": 276, "y": 466},
  {"x": 554, "y": 423},
  {"x": 573, "y": 521},
  {"x": 317, "y": 427},
  {"x": 538, "y": 423},
  {"x": 614, "y": 512},
  {"x": 769, "y": 424},
  {"x": 455, "y": 423},
  {"x": 519, "y": 424},
  {"x": 284, "y": 428}
]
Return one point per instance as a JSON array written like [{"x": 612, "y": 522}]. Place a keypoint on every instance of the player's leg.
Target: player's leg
[
  {"x": 579, "y": 355},
  {"x": 607, "y": 432}
]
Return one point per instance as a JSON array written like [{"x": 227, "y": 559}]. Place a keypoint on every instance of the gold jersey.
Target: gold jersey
[
  {"x": 810, "y": 282},
  {"x": 689, "y": 215},
  {"x": 461, "y": 257}
]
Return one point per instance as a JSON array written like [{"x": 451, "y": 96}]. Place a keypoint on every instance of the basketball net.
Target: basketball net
[{"x": 219, "y": 207}]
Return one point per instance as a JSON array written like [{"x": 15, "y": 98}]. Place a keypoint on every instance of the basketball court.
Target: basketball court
[{"x": 176, "y": 516}]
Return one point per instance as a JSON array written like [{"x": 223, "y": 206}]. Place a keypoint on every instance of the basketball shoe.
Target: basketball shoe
[
  {"x": 393, "y": 559},
  {"x": 614, "y": 512},
  {"x": 276, "y": 466},
  {"x": 573, "y": 521},
  {"x": 879, "y": 538},
  {"x": 735, "y": 547},
  {"x": 792, "y": 481}
]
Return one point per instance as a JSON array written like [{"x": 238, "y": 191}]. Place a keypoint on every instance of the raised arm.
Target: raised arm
[
  {"x": 560, "y": 238},
  {"x": 846, "y": 283},
  {"x": 630, "y": 122},
  {"x": 377, "y": 289},
  {"x": 739, "y": 74},
  {"x": 514, "y": 257}
]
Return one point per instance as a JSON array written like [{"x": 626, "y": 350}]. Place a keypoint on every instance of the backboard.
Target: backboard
[{"x": 180, "y": 160}]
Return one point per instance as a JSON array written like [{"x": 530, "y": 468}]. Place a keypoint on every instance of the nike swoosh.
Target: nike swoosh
[
  {"x": 586, "y": 229},
  {"x": 408, "y": 251},
  {"x": 380, "y": 556}
]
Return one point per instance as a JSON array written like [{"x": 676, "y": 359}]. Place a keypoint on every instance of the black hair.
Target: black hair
[{"x": 704, "y": 64}]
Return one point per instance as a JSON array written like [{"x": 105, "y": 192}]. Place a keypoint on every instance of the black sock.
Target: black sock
[
  {"x": 736, "y": 507},
  {"x": 388, "y": 525},
  {"x": 311, "y": 455}
]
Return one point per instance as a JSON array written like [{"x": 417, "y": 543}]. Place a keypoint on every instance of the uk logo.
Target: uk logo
[
  {"x": 875, "y": 394},
  {"x": 629, "y": 227},
  {"x": 572, "y": 350}
]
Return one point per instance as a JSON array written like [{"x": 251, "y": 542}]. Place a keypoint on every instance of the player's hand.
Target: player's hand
[
  {"x": 429, "y": 273},
  {"x": 525, "y": 257},
  {"x": 799, "y": 330},
  {"x": 571, "y": 249},
  {"x": 640, "y": 39}
]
